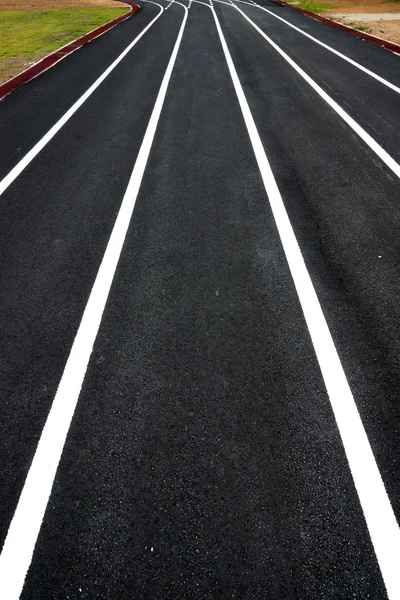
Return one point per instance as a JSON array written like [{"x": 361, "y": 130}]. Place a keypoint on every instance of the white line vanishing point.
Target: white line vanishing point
[{"x": 19, "y": 545}]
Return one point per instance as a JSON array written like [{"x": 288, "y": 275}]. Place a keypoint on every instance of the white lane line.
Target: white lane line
[
  {"x": 343, "y": 56},
  {"x": 369, "y": 140},
  {"x": 378, "y": 512},
  {"x": 27, "y": 159},
  {"x": 19, "y": 545}
]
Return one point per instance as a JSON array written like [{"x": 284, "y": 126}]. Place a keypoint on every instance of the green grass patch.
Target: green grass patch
[
  {"x": 24, "y": 33},
  {"x": 316, "y": 7},
  {"x": 363, "y": 28}
]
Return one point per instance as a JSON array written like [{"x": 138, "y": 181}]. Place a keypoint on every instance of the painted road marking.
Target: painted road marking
[
  {"x": 369, "y": 140},
  {"x": 19, "y": 545},
  {"x": 343, "y": 56},
  {"x": 27, "y": 159},
  {"x": 49, "y": 61},
  {"x": 378, "y": 512}
]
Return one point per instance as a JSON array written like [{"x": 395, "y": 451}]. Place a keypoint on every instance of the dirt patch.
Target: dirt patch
[
  {"x": 15, "y": 64},
  {"x": 363, "y": 6},
  {"x": 371, "y": 16},
  {"x": 46, "y": 4},
  {"x": 386, "y": 29},
  {"x": 380, "y": 18}
]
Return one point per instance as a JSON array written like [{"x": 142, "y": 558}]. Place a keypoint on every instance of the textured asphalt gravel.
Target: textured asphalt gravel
[{"x": 203, "y": 460}]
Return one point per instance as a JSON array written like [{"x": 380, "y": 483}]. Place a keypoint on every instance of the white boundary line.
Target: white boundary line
[
  {"x": 24, "y": 162},
  {"x": 378, "y": 512},
  {"x": 20, "y": 542},
  {"x": 64, "y": 46},
  {"x": 311, "y": 16},
  {"x": 369, "y": 140},
  {"x": 343, "y": 56}
]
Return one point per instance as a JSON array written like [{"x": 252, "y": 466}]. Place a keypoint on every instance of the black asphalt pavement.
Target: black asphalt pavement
[{"x": 203, "y": 458}]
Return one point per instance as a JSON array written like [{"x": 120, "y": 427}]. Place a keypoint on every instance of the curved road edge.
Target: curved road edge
[
  {"x": 51, "y": 59},
  {"x": 360, "y": 34}
]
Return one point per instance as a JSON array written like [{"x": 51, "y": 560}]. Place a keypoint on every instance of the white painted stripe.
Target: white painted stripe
[
  {"x": 343, "y": 56},
  {"x": 378, "y": 513},
  {"x": 375, "y": 147},
  {"x": 21, "y": 538},
  {"x": 58, "y": 50},
  {"x": 38, "y": 147}
]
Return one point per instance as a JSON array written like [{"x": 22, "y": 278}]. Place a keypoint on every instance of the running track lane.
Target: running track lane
[{"x": 204, "y": 458}]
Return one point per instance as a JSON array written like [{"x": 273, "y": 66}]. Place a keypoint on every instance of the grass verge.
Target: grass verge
[
  {"x": 26, "y": 36},
  {"x": 363, "y": 28},
  {"x": 316, "y": 7}
]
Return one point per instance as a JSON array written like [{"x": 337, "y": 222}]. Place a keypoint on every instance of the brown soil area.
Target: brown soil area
[
  {"x": 15, "y": 64},
  {"x": 364, "y": 6},
  {"x": 386, "y": 29},
  {"x": 46, "y": 4}
]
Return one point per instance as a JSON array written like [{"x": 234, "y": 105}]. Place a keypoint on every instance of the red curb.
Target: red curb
[
  {"x": 51, "y": 59},
  {"x": 360, "y": 34}
]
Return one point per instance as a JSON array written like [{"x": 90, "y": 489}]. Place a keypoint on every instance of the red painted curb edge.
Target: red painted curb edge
[
  {"x": 360, "y": 34},
  {"x": 53, "y": 58}
]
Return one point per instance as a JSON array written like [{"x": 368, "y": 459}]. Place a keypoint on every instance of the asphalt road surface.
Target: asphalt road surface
[{"x": 200, "y": 316}]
